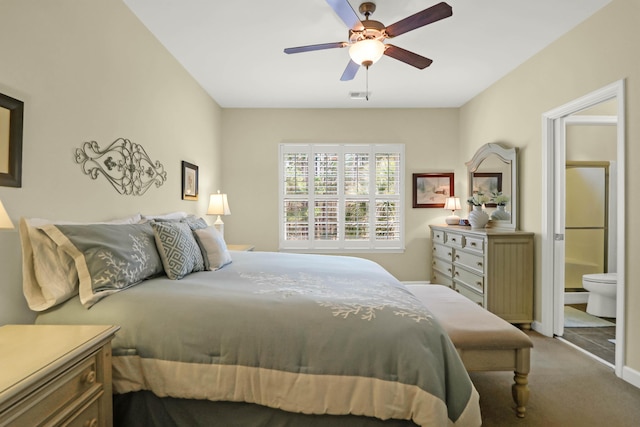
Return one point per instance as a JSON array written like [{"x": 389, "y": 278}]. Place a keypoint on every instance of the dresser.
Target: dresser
[
  {"x": 56, "y": 375},
  {"x": 493, "y": 268}
]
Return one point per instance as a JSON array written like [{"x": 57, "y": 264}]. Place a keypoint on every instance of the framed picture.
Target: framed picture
[
  {"x": 487, "y": 183},
  {"x": 189, "y": 181},
  {"x": 430, "y": 190},
  {"x": 11, "y": 117}
]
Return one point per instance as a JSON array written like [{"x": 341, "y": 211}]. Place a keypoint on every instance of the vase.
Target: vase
[
  {"x": 500, "y": 214},
  {"x": 478, "y": 218}
]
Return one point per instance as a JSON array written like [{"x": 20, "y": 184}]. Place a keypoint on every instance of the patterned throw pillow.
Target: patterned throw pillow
[
  {"x": 178, "y": 249},
  {"x": 108, "y": 257},
  {"x": 196, "y": 223}
]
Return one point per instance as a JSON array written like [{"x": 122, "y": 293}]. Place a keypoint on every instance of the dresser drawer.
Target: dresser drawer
[
  {"x": 66, "y": 393},
  {"x": 456, "y": 240},
  {"x": 442, "y": 266},
  {"x": 443, "y": 252},
  {"x": 438, "y": 236},
  {"x": 474, "y": 243},
  {"x": 473, "y": 281},
  {"x": 87, "y": 416},
  {"x": 473, "y": 296},
  {"x": 441, "y": 279},
  {"x": 469, "y": 260}
]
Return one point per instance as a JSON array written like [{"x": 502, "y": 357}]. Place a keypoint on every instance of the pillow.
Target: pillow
[
  {"x": 194, "y": 222},
  {"x": 178, "y": 249},
  {"x": 213, "y": 247},
  {"x": 49, "y": 276},
  {"x": 108, "y": 257},
  {"x": 172, "y": 216}
]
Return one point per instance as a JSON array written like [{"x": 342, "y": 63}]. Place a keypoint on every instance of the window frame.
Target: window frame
[{"x": 342, "y": 245}]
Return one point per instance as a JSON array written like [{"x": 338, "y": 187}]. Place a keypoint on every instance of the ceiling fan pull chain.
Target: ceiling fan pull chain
[{"x": 367, "y": 84}]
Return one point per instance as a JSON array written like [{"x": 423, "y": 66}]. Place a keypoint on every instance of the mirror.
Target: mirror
[
  {"x": 493, "y": 170},
  {"x": 11, "y": 113}
]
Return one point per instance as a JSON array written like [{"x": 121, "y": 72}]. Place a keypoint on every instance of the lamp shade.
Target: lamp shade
[
  {"x": 452, "y": 203},
  {"x": 366, "y": 52},
  {"x": 218, "y": 205},
  {"x": 5, "y": 221}
]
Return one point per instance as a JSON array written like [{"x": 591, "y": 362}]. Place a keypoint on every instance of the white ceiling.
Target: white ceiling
[{"x": 234, "y": 49}]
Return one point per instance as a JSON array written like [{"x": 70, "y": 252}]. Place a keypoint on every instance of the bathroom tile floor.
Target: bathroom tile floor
[{"x": 594, "y": 340}]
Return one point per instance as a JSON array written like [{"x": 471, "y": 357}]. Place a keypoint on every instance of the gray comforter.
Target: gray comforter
[{"x": 303, "y": 333}]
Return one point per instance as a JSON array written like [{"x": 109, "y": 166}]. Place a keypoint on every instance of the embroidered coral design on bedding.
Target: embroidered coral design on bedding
[
  {"x": 120, "y": 273},
  {"x": 348, "y": 297}
]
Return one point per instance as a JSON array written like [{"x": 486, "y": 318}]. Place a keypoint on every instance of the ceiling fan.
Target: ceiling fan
[{"x": 366, "y": 38}]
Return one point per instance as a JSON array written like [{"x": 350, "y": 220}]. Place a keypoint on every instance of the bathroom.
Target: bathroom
[{"x": 590, "y": 254}]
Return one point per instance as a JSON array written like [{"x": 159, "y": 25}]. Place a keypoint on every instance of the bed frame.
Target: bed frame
[{"x": 484, "y": 341}]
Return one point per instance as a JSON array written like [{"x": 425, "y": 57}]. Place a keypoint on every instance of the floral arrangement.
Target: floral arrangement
[
  {"x": 499, "y": 199},
  {"x": 478, "y": 199}
]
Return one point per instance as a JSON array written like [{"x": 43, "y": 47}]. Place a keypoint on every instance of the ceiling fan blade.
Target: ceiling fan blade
[
  {"x": 420, "y": 19},
  {"x": 343, "y": 9},
  {"x": 407, "y": 57},
  {"x": 350, "y": 71},
  {"x": 314, "y": 47}
]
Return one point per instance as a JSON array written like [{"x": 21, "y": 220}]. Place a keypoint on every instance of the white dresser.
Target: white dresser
[
  {"x": 56, "y": 375},
  {"x": 494, "y": 268}
]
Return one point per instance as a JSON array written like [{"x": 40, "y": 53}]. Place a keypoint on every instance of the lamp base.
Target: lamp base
[
  {"x": 452, "y": 220},
  {"x": 219, "y": 225}
]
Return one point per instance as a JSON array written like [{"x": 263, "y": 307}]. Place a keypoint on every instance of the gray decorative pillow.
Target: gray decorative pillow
[
  {"x": 108, "y": 257},
  {"x": 194, "y": 222},
  {"x": 178, "y": 249}
]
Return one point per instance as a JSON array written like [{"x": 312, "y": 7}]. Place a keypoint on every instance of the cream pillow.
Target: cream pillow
[{"x": 213, "y": 247}]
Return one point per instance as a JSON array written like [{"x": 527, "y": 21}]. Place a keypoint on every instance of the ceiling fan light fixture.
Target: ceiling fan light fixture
[{"x": 366, "y": 52}]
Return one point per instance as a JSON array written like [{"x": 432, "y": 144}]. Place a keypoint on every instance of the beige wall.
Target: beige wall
[
  {"x": 250, "y": 168},
  {"x": 598, "y": 52},
  {"x": 89, "y": 70}
]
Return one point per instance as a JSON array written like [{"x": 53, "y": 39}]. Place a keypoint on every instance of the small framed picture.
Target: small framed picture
[
  {"x": 430, "y": 190},
  {"x": 487, "y": 183},
  {"x": 189, "y": 181}
]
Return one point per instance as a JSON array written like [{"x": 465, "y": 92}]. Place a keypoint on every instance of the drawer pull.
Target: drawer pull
[
  {"x": 456, "y": 273},
  {"x": 473, "y": 244},
  {"x": 90, "y": 378},
  {"x": 453, "y": 239},
  {"x": 479, "y": 264},
  {"x": 91, "y": 423},
  {"x": 449, "y": 270},
  {"x": 449, "y": 253},
  {"x": 457, "y": 256},
  {"x": 479, "y": 283}
]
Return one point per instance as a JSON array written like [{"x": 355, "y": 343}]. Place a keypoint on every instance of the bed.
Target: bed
[{"x": 265, "y": 339}]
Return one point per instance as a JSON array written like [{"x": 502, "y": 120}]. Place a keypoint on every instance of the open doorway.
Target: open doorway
[{"x": 583, "y": 112}]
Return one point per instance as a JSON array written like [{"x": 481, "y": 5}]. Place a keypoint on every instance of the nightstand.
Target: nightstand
[
  {"x": 241, "y": 247},
  {"x": 56, "y": 374}
]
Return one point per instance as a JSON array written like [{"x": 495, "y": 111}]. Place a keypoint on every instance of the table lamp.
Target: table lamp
[
  {"x": 452, "y": 204},
  {"x": 218, "y": 205}
]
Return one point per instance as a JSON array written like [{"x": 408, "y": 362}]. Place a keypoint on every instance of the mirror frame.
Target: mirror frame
[
  {"x": 507, "y": 155},
  {"x": 16, "y": 113}
]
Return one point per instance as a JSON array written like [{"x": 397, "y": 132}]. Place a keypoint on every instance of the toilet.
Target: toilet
[{"x": 602, "y": 293}]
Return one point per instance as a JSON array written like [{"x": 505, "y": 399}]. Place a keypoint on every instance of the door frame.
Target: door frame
[{"x": 553, "y": 153}]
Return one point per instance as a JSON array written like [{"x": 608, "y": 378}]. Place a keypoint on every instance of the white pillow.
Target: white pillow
[
  {"x": 171, "y": 216},
  {"x": 49, "y": 275},
  {"x": 213, "y": 247}
]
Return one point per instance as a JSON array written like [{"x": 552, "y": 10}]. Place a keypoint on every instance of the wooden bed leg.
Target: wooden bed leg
[{"x": 520, "y": 391}]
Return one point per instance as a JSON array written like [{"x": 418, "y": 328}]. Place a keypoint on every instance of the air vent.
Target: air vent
[{"x": 360, "y": 95}]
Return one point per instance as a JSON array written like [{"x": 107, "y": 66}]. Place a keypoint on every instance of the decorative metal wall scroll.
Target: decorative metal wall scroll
[{"x": 125, "y": 164}]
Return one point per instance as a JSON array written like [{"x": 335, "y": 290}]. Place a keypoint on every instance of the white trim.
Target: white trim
[
  {"x": 551, "y": 119},
  {"x": 592, "y": 120},
  {"x": 631, "y": 376},
  {"x": 576, "y": 297}
]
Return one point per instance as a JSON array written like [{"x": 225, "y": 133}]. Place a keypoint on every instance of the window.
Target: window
[{"x": 341, "y": 197}]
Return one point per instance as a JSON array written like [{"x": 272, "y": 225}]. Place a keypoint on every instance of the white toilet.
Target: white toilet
[{"x": 602, "y": 293}]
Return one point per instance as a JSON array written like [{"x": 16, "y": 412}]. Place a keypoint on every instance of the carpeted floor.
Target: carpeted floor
[{"x": 568, "y": 388}]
